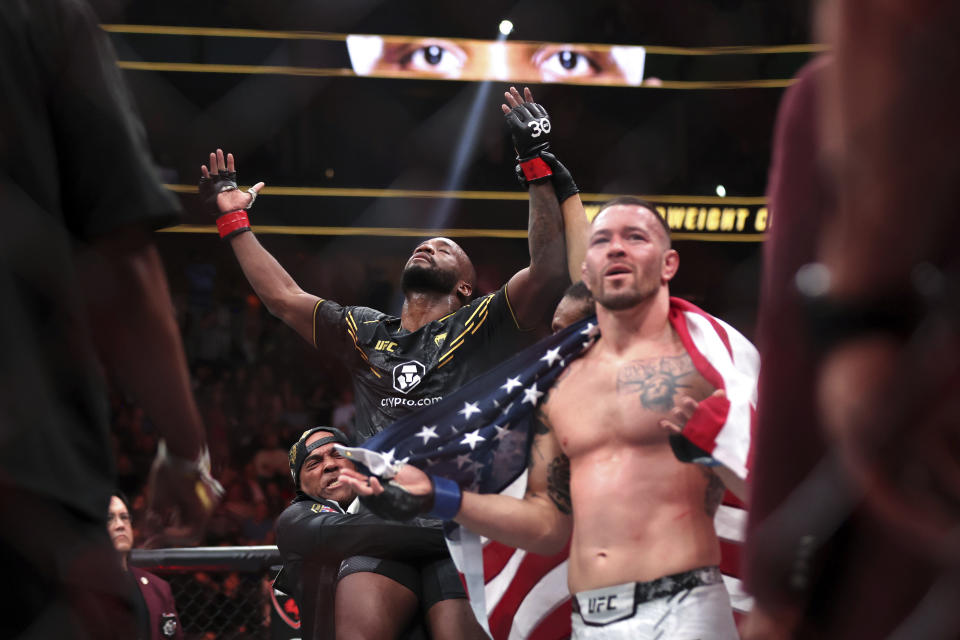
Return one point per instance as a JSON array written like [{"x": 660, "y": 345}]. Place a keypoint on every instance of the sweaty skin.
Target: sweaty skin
[{"x": 628, "y": 490}]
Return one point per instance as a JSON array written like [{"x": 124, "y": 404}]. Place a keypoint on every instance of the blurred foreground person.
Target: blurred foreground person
[
  {"x": 859, "y": 537},
  {"x": 80, "y": 278},
  {"x": 156, "y": 609},
  {"x": 889, "y": 387},
  {"x": 809, "y": 536}
]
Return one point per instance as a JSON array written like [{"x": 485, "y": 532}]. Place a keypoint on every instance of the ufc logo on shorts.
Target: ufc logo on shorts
[
  {"x": 407, "y": 375},
  {"x": 539, "y": 126}
]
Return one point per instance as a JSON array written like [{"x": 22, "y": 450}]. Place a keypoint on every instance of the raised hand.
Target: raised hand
[
  {"x": 218, "y": 186},
  {"x": 528, "y": 122}
]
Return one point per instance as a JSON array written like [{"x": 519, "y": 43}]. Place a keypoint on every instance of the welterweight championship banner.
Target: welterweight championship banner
[{"x": 741, "y": 220}]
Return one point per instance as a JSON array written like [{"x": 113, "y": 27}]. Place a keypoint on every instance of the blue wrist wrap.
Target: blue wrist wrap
[
  {"x": 707, "y": 461},
  {"x": 446, "y": 498}
]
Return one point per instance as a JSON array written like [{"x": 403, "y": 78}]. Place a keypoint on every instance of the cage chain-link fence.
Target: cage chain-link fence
[{"x": 223, "y": 605}]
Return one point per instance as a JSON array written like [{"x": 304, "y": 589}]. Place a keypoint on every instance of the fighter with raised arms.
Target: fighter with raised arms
[{"x": 443, "y": 337}]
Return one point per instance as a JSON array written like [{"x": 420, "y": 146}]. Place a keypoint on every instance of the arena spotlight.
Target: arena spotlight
[
  {"x": 721, "y": 191},
  {"x": 467, "y": 144},
  {"x": 465, "y": 150}
]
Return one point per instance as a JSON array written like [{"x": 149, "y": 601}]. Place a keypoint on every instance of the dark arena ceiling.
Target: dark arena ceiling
[{"x": 360, "y": 162}]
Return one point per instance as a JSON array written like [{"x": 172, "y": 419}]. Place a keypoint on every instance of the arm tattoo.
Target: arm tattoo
[
  {"x": 558, "y": 470},
  {"x": 540, "y": 427},
  {"x": 545, "y": 231},
  {"x": 713, "y": 496},
  {"x": 657, "y": 380},
  {"x": 558, "y": 483}
]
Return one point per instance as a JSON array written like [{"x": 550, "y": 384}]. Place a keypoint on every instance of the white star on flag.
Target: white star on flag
[
  {"x": 469, "y": 408},
  {"x": 473, "y": 438},
  {"x": 427, "y": 432},
  {"x": 510, "y": 384},
  {"x": 590, "y": 330},
  {"x": 552, "y": 356},
  {"x": 463, "y": 460},
  {"x": 502, "y": 432},
  {"x": 531, "y": 395}
]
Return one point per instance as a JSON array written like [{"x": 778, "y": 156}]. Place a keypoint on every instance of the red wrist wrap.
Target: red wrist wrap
[
  {"x": 535, "y": 169},
  {"x": 230, "y": 224}
]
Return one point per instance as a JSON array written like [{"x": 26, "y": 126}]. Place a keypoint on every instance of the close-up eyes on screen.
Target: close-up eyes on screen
[{"x": 494, "y": 60}]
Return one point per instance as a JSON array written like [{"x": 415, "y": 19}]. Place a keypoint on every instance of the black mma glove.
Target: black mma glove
[
  {"x": 563, "y": 184},
  {"x": 530, "y": 127},
  {"x": 213, "y": 186},
  {"x": 686, "y": 451},
  {"x": 396, "y": 503},
  {"x": 231, "y": 223}
]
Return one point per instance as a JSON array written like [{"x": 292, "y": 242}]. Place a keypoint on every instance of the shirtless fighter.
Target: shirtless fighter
[{"x": 644, "y": 552}]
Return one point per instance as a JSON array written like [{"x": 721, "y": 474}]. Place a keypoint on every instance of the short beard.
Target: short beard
[
  {"x": 621, "y": 300},
  {"x": 427, "y": 280},
  {"x": 624, "y": 299}
]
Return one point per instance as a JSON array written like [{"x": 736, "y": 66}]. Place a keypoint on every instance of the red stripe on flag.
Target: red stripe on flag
[
  {"x": 730, "y": 558},
  {"x": 496, "y": 555},
  {"x": 529, "y": 573},
  {"x": 733, "y": 501}
]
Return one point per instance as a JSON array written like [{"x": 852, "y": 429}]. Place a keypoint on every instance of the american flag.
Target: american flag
[{"x": 480, "y": 437}]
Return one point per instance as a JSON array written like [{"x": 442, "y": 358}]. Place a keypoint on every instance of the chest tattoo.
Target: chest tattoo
[{"x": 655, "y": 380}]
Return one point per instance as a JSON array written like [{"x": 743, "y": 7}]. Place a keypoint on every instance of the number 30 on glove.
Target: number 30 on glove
[{"x": 530, "y": 127}]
